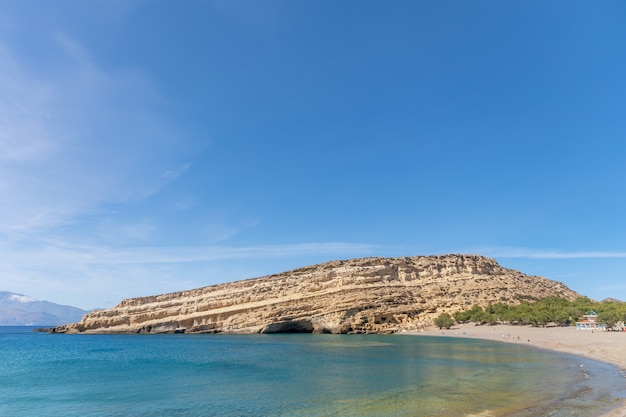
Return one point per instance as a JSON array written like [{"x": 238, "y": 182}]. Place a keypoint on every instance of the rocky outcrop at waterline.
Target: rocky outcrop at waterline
[{"x": 368, "y": 295}]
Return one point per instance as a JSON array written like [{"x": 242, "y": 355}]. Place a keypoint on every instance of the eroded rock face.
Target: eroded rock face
[{"x": 378, "y": 295}]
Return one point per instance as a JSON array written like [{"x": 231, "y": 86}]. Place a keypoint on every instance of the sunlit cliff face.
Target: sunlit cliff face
[{"x": 369, "y": 295}]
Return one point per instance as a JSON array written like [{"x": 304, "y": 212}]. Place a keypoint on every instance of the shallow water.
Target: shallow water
[{"x": 294, "y": 375}]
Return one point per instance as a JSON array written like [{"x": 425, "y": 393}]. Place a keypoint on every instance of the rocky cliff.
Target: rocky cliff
[{"x": 360, "y": 295}]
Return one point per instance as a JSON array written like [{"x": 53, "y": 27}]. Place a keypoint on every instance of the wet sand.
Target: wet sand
[{"x": 603, "y": 346}]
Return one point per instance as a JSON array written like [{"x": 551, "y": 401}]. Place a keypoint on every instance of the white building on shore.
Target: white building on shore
[{"x": 589, "y": 322}]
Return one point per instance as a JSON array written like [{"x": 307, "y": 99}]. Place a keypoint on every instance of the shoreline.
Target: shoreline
[{"x": 608, "y": 347}]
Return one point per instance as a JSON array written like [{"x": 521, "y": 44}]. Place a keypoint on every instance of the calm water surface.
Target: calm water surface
[{"x": 294, "y": 375}]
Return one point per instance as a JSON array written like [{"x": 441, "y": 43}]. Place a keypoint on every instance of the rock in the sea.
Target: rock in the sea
[{"x": 369, "y": 295}]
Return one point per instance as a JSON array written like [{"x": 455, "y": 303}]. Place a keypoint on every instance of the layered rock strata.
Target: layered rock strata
[{"x": 369, "y": 295}]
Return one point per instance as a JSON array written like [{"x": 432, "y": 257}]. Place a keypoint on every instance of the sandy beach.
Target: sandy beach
[{"x": 603, "y": 346}]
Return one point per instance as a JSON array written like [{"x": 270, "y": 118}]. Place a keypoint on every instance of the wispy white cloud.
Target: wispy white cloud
[
  {"x": 220, "y": 253},
  {"x": 512, "y": 252},
  {"x": 23, "y": 136},
  {"x": 93, "y": 274},
  {"x": 171, "y": 174},
  {"x": 51, "y": 251},
  {"x": 76, "y": 139},
  {"x": 22, "y": 298}
]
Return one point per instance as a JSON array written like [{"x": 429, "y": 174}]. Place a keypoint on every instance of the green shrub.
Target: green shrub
[{"x": 444, "y": 320}]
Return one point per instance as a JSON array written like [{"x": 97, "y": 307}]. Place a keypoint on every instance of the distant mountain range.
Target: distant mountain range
[{"x": 22, "y": 310}]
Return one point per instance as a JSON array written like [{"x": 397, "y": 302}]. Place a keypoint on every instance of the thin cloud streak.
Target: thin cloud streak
[
  {"x": 95, "y": 255},
  {"x": 171, "y": 174},
  {"x": 65, "y": 273},
  {"x": 69, "y": 145},
  {"x": 28, "y": 268},
  {"x": 219, "y": 253},
  {"x": 547, "y": 254}
]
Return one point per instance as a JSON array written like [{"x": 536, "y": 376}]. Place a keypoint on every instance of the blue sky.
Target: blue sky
[{"x": 155, "y": 146}]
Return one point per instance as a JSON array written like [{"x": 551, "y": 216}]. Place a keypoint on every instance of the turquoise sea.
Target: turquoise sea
[{"x": 294, "y": 375}]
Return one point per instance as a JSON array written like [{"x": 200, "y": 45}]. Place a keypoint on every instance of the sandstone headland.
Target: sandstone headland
[{"x": 368, "y": 295}]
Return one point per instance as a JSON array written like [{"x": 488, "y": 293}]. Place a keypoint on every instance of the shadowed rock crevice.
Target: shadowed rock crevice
[{"x": 298, "y": 326}]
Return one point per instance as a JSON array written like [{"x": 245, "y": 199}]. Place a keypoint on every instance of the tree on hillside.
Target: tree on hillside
[
  {"x": 608, "y": 317},
  {"x": 444, "y": 320},
  {"x": 498, "y": 312},
  {"x": 462, "y": 316}
]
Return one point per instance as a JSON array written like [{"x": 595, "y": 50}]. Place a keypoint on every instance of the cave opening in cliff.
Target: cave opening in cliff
[{"x": 295, "y": 326}]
